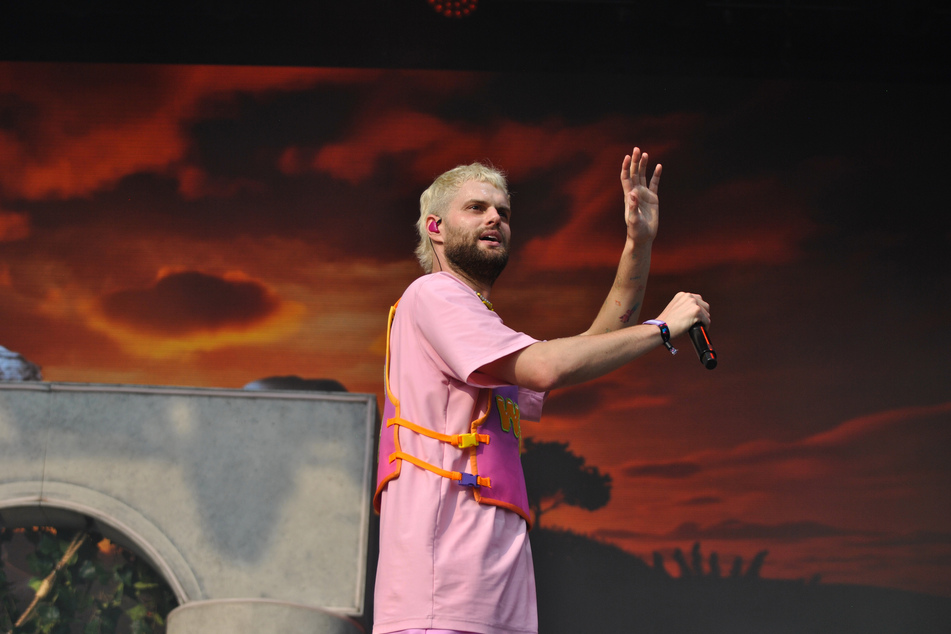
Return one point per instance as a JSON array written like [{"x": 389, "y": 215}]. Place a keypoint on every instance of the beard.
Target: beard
[{"x": 482, "y": 265}]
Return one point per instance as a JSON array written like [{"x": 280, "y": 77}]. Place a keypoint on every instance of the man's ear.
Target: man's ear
[{"x": 432, "y": 223}]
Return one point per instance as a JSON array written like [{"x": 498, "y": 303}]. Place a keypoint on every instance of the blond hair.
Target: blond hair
[{"x": 435, "y": 200}]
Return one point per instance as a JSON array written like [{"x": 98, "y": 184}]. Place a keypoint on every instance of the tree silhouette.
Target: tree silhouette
[{"x": 554, "y": 476}]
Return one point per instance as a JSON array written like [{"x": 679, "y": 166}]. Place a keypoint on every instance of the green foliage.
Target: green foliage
[
  {"x": 92, "y": 592},
  {"x": 8, "y": 608}
]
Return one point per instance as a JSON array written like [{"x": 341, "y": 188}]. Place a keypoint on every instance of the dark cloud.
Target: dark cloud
[
  {"x": 13, "y": 226},
  {"x": 577, "y": 401},
  {"x": 912, "y": 440},
  {"x": 19, "y": 117},
  {"x": 735, "y": 530},
  {"x": 702, "y": 500},
  {"x": 339, "y": 219},
  {"x": 859, "y": 157},
  {"x": 545, "y": 208},
  {"x": 189, "y": 302},
  {"x": 244, "y": 134},
  {"x": 55, "y": 100},
  {"x": 619, "y": 534},
  {"x": 919, "y": 538},
  {"x": 49, "y": 341},
  {"x": 666, "y": 470},
  {"x": 294, "y": 382}
]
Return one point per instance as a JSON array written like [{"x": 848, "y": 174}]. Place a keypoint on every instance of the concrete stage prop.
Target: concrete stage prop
[{"x": 253, "y": 506}]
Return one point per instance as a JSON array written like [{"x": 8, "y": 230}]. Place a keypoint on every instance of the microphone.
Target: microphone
[{"x": 698, "y": 335}]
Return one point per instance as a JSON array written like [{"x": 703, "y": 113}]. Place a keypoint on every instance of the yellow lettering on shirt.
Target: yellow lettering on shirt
[{"x": 509, "y": 415}]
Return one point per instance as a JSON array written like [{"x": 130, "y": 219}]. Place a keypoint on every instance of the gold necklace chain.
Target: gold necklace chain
[{"x": 487, "y": 303}]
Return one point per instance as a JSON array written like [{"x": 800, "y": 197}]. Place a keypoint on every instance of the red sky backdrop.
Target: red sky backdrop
[{"x": 209, "y": 226}]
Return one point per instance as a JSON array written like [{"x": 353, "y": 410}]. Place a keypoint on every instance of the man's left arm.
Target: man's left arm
[{"x": 622, "y": 306}]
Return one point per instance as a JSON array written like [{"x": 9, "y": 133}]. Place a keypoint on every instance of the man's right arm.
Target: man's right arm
[{"x": 548, "y": 365}]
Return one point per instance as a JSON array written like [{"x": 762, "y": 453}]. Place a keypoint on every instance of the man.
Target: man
[{"x": 454, "y": 518}]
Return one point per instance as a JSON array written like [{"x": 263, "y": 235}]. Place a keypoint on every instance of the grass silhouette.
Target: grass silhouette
[{"x": 589, "y": 586}]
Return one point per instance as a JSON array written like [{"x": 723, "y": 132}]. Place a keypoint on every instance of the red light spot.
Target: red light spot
[{"x": 454, "y": 8}]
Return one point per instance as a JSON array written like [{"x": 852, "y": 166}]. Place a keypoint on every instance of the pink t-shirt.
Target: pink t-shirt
[{"x": 447, "y": 561}]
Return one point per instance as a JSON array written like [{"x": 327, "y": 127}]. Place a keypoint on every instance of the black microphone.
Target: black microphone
[{"x": 698, "y": 335}]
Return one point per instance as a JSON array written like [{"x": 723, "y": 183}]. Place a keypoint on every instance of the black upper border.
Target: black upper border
[{"x": 883, "y": 39}]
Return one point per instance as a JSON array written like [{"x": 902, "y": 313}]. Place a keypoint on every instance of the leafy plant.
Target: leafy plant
[{"x": 82, "y": 584}]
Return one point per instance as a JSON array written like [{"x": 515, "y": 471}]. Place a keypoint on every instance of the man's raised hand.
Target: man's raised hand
[{"x": 641, "y": 203}]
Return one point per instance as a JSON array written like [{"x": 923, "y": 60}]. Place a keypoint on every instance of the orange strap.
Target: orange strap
[
  {"x": 452, "y": 475},
  {"x": 461, "y": 441}
]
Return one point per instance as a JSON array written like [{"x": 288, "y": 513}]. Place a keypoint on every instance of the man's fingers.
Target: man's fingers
[
  {"x": 626, "y": 167},
  {"x": 634, "y": 171},
  {"x": 635, "y": 162},
  {"x": 655, "y": 179}
]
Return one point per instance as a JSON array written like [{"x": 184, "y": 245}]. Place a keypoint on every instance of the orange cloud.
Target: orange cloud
[
  {"x": 667, "y": 470},
  {"x": 744, "y": 221},
  {"x": 585, "y": 159},
  {"x": 880, "y": 442},
  {"x": 890, "y": 466},
  {"x": 872, "y": 486},
  {"x": 432, "y": 145},
  {"x": 14, "y": 226},
  {"x": 392, "y": 133},
  {"x": 731, "y": 530},
  {"x": 861, "y": 443},
  {"x": 755, "y": 245},
  {"x": 79, "y": 128},
  {"x": 194, "y": 183}
]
